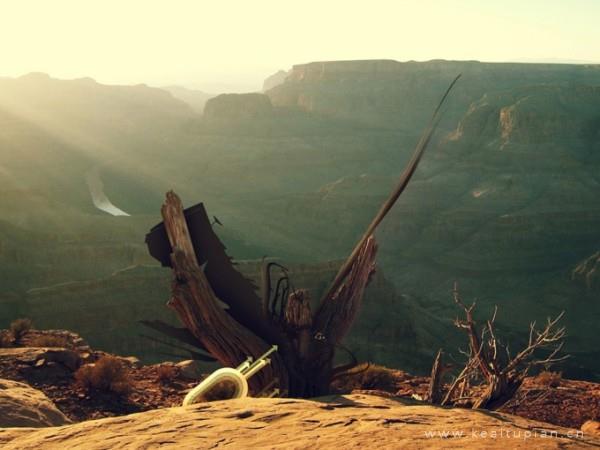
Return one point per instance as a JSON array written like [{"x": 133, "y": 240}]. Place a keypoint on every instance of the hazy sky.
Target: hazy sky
[{"x": 239, "y": 43}]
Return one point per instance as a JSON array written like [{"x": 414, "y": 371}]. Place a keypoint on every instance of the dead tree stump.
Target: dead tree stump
[{"x": 202, "y": 314}]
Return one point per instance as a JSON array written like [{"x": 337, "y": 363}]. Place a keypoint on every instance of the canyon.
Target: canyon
[{"x": 504, "y": 202}]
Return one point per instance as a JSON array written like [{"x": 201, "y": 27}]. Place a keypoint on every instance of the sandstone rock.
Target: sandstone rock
[
  {"x": 591, "y": 427},
  {"x": 24, "y": 406},
  {"x": 353, "y": 421},
  {"x": 190, "y": 369}
]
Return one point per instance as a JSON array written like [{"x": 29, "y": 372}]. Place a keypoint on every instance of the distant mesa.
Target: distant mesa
[
  {"x": 44, "y": 77},
  {"x": 275, "y": 80},
  {"x": 373, "y": 68},
  {"x": 401, "y": 95},
  {"x": 35, "y": 76},
  {"x": 86, "y": 80},
  {"x": 238, "y": 106}
]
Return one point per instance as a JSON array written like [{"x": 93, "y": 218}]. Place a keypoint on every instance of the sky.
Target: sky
[{"x": 233, "y": 45}]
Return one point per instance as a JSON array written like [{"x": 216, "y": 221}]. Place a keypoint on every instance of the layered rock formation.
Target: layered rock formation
[{"x": 401, "y": 95}]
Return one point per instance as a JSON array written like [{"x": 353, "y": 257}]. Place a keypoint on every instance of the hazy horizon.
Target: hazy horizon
[
  {"x": 216, "y": 87},
  {"x": 235, "y": 45}
]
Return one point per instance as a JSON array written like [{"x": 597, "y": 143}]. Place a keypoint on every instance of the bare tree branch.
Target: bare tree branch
[{"x": 498, "y": 376}]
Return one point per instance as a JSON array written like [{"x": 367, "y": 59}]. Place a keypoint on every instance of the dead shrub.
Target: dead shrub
[
  {"x": 166, "y": 374},
  {"x": 5, "y": 340},
  {"x": 491, "y": 377},
  {"x": 549, "y": 379},
  {"x": 50, "y": 341},
  {"x": 19, "y": 328},
  {"x": 107, "y": 375},
  {"x": 369, "y": 377}
]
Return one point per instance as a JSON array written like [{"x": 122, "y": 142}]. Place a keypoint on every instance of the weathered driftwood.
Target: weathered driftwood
[
  {"x": 335, "y": 317},
  {"x": 200, "y": 311},
  {"x": 307, "y": 345},
  {"x": 303, "y": 365},
  {"x": 298, "y": 322}
]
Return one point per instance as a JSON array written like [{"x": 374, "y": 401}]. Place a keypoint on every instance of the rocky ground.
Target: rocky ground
[
  {"x": 568, "y": 403},
  {"x": 571, "y": 403},
  {"x": 342, "y": 422},
  {"x": 557, "y": 402},
  {"x": 51, "y": 370}
]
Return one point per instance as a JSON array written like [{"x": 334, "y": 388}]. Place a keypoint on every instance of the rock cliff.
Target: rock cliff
[{"x": 401, "y": 95}]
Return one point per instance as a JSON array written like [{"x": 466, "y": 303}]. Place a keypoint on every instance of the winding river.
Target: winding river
[{"x": 101, "y": 201}]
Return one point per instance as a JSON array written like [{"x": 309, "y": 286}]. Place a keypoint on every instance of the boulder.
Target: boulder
[
  {"x": 23, "y": 406},
  {"x": 190, "y": 369}
]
